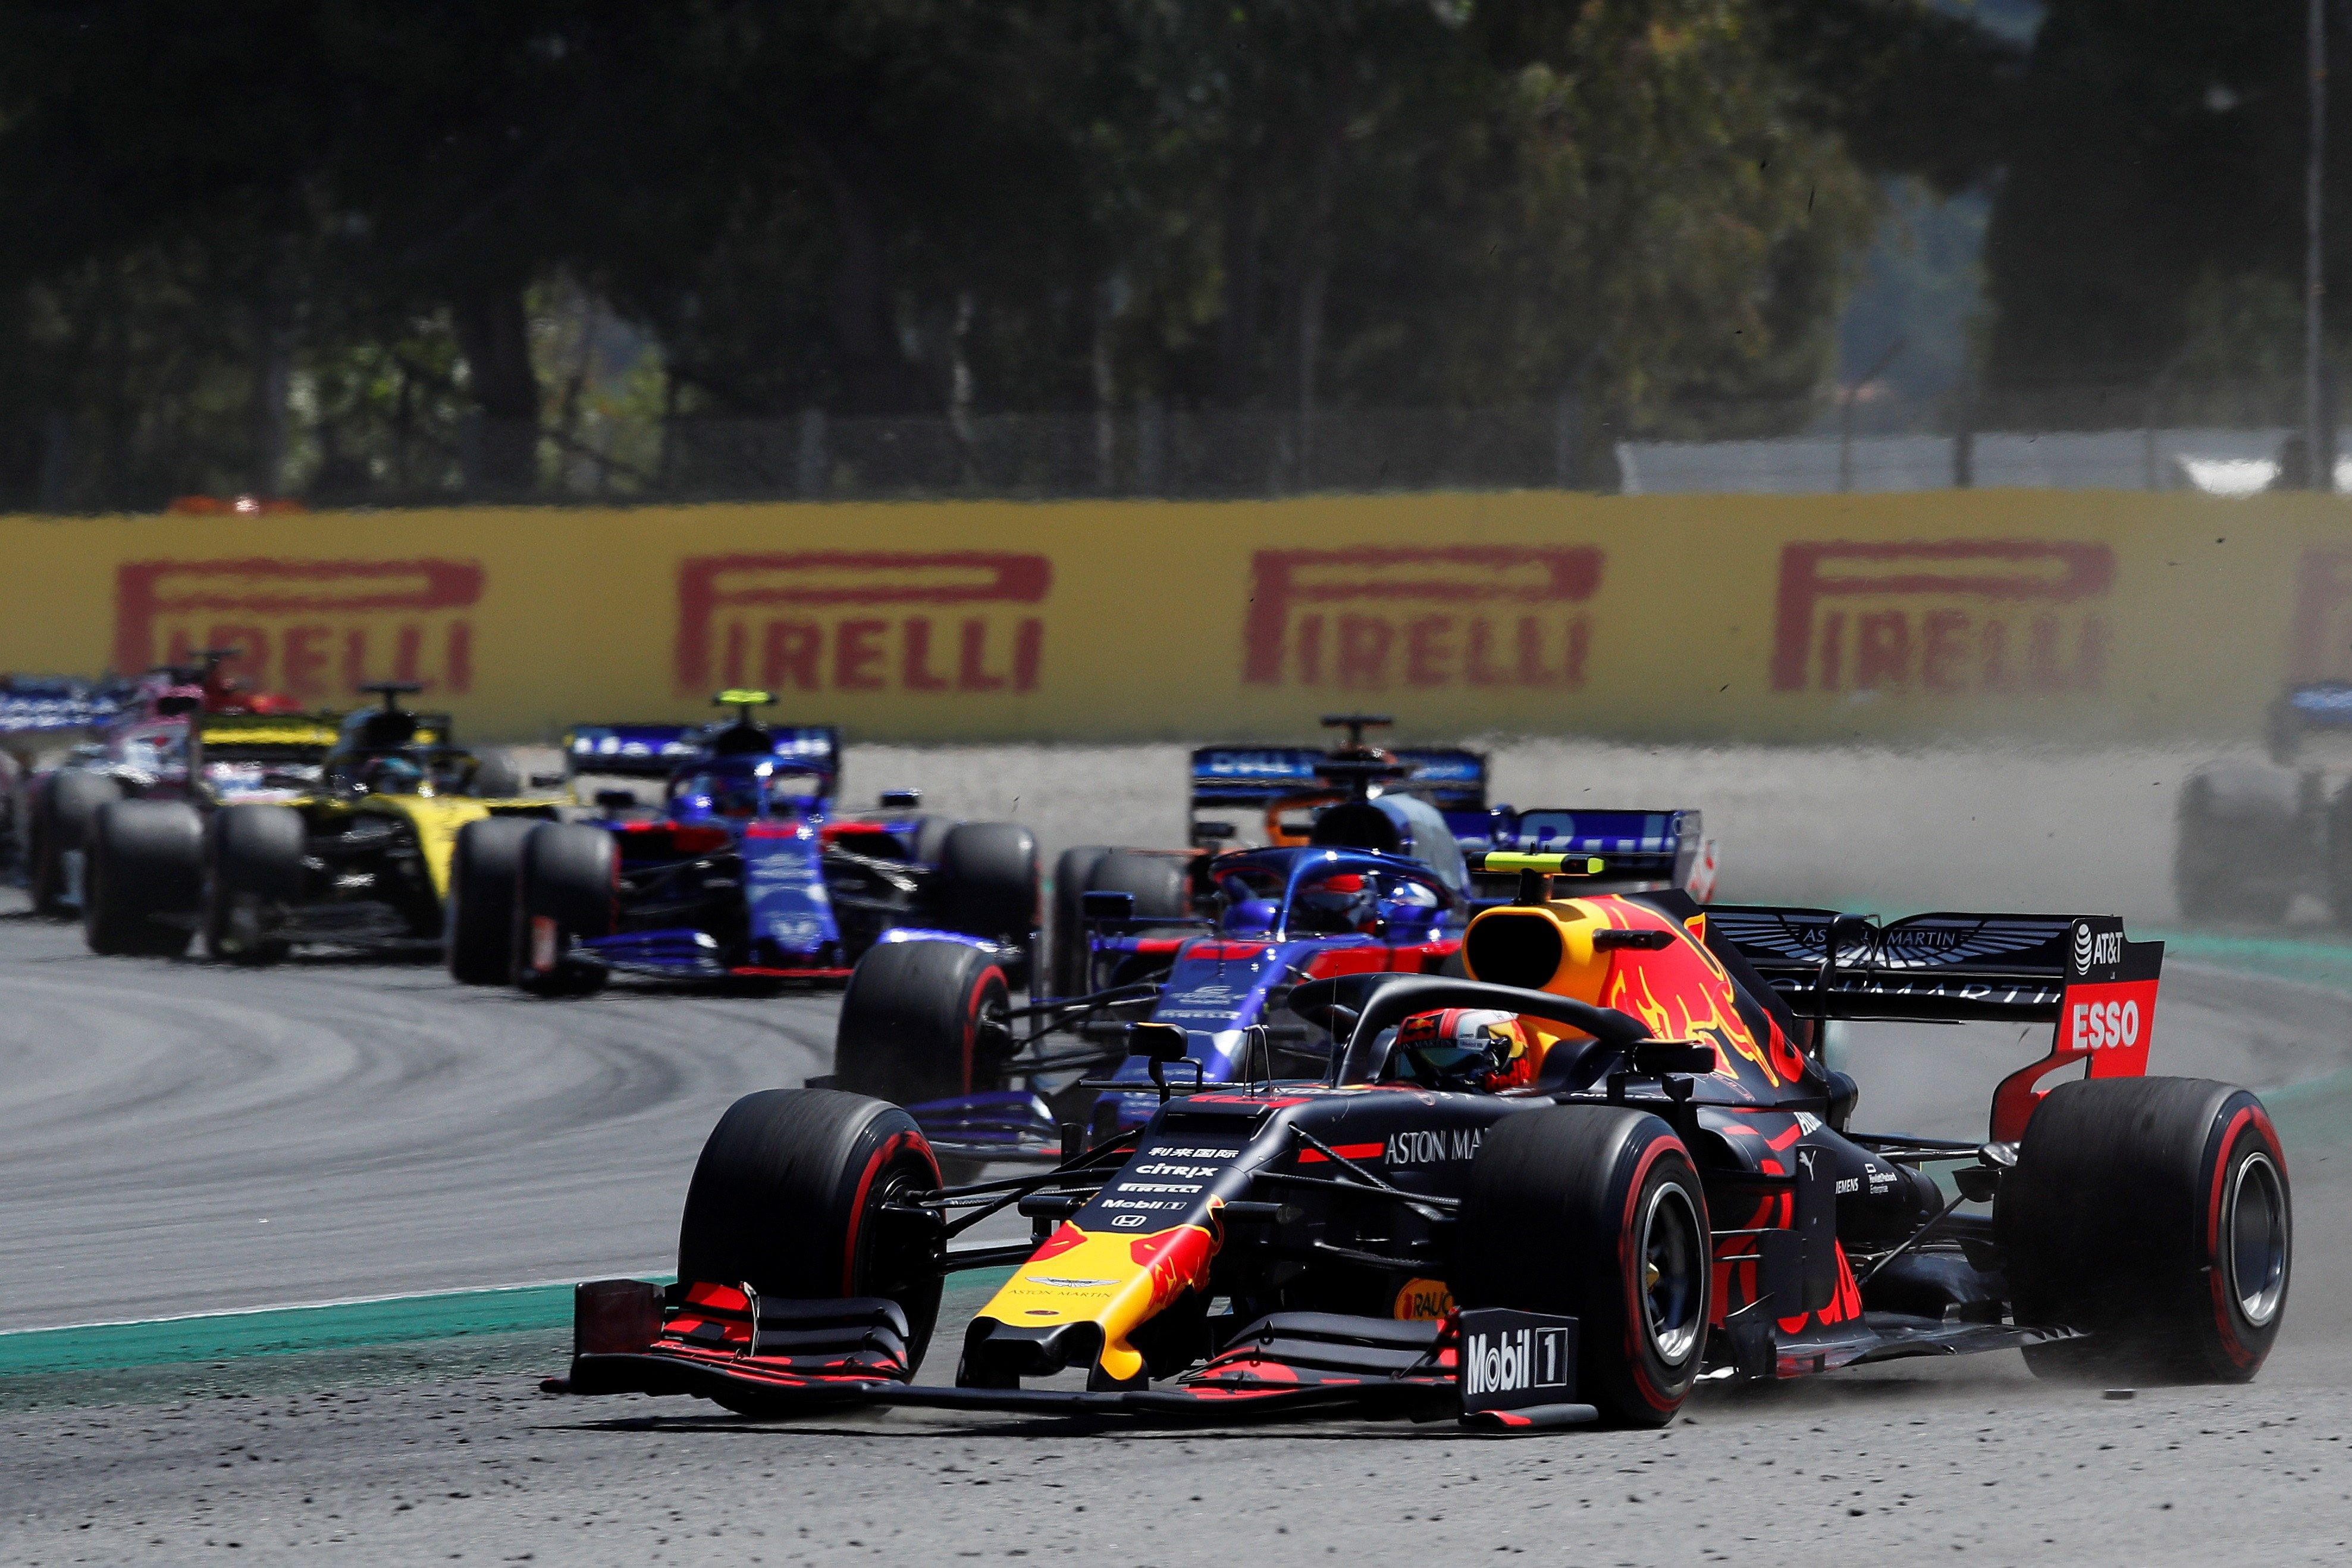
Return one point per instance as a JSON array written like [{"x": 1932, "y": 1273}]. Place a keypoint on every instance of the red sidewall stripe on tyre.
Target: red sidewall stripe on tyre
[
  {"x": 874, "y": 1166},
  {"x": 972, "y": 1022},
  {"x": 1637, "y": 1314},
  {"x": 2218, "y": 1267}
]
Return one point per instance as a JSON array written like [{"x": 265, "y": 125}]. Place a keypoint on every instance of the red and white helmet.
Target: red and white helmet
[{"x": 1465, "y": 1048}]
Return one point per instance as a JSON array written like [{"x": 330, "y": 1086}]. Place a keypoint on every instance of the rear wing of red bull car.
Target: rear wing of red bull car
[{"x": 2079, "y": 973}]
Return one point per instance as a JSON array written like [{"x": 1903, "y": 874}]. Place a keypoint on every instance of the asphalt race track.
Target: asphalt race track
[{"x": 179, "y": 1139}]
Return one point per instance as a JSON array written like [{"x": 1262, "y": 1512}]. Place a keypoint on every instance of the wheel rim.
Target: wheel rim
[
  {"x": 1673, "y": 1278},
  {"x": 2255, "y": 1240}
]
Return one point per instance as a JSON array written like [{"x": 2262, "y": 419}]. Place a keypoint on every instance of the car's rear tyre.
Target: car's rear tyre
[
  {"x": 566, "y": 888},
  {"x": 2153, "y": 1214},
  {"x": 923, "y": 1020},
  {"x": 1066, "y": 973},
  {"x": 1156, "y": 882},
  {"x": 1595, "y": 1213},
  {"x": 987, "y": 880},
  {"x": 929, "y": 838},
  {"x": 252, "y": 874},
  {"x": 789, "y": 1198},
  {"x": 63, "y": 806},
  {"x": 144, "y": 879},
  {"x": 479, "y": 934}
]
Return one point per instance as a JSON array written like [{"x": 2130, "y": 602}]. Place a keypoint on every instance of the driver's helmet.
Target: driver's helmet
[
  {"x": 737, "y": 794},
  {"x": 1465, "y": 1048},
  {"x": 1339, "y": 902},
  {"x": 394, "y": 775}
]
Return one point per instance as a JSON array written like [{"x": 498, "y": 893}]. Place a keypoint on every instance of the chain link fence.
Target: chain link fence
[{"x": 2225, "y": 440}]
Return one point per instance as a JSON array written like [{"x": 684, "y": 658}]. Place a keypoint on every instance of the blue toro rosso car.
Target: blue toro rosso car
[
  {"x": 1376, "y": 862},
  {"x": 739, "y": 869}
]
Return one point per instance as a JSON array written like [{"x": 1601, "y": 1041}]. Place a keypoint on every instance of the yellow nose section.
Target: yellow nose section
[{"x": 1116, "y": 1280}]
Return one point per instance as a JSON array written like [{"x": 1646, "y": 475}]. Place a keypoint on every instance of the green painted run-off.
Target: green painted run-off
[{"x": 284, "y": 1330}]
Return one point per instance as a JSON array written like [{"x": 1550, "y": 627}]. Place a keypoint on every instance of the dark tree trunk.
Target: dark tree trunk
[
  {"x": 493, "y": 332},
  {"x": 876, "y": 377}
]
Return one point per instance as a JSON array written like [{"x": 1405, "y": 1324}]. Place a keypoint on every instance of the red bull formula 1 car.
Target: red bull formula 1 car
[{"x": 1605, "y": 1167}]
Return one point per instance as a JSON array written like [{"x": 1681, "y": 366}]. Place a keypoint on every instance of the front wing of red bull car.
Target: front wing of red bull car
[{"x": 1642, "y": 1180}]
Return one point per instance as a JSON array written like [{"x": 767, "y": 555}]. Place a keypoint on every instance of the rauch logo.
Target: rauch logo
[
  {"x": 1451, "y": 616},
  {"x": 951, "y": 622},
  {"x": 310, "y": 628},
  {"x": 1959, "y": 615}
]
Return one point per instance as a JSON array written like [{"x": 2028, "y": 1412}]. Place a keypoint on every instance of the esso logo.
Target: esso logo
[{"x": 2105, "y": 1024}]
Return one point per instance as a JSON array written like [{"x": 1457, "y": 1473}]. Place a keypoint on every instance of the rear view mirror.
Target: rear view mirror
[
  {"x": 1213, "y": 832},
  {"x": 1656, "y": 1058},
  {"x": 1094, "y": 907},
  {"x": 1156, "y": 1042},
  {"x": 616, "y": 799},
  {"x": 900, "y": 799}
]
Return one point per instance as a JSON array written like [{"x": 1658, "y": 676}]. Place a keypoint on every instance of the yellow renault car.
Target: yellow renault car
[{"x": 362, "y": 860}]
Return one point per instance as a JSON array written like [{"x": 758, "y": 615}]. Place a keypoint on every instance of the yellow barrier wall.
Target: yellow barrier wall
[{"x": 2072, "y": 615}]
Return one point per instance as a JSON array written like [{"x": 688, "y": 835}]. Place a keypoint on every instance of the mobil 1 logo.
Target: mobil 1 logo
[{"x": 1511, "y": 1361}]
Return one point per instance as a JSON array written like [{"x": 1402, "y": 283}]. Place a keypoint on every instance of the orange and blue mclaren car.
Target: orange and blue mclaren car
[{"x": 1608, "y": 1165}]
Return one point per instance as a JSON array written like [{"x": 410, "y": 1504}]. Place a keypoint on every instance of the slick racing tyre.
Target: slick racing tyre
[
  {"x": 987, "y": 880},
  {"x": 62, "y": 807},
  {"x": 252, "y": 874},
  {"x": 1067, "y": 934},
  {"x": 923, "y": 1020},
  {"x": 566, "y": 888},
  {"x": 144, "y": 878},
  {"x": 789, "y": 1198},
  {"x": 1595, "y": 1213},
  {"x": 2152, "y": 1213},
  {"x": 1156, "y": 881},
  {"x": 2240, "y": 841},
  {"x": 479, "y": 934}
]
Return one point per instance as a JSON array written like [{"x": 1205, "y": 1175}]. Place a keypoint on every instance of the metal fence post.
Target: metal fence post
[
  {"x": 1150, "y": 445},
  {"x": 810, "y": 470},
  {"x": 1567, "y": 441}
]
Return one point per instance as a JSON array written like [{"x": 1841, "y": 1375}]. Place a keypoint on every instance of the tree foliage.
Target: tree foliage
[{"x": 236, "y": 217}]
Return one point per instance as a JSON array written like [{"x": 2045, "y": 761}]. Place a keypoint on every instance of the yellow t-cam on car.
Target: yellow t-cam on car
[{"x": 352, "y": 844}]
